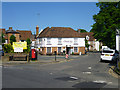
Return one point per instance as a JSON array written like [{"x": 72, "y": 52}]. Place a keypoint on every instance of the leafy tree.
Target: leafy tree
[
  {"x": 12, "y": 39},
  {"x": 28, "y": 41},
  {"x": 86, "y": 44},
  {"x": 28, "y": 46},
  {"x": 8, "y": 48},
  {"x": 107, "y": 21},
  {"x": 27, "y": 50},
  {"x": 81, "y": 30},
  {"x": 3, "y": 39}
]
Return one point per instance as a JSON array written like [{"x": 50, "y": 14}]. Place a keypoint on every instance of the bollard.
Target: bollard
[
  {"x": 80, "y": 53},
  {"x": 55, "y": 54},
  {"x": 66, "y": 56}
]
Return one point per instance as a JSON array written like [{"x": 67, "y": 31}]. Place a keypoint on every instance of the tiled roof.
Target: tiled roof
[
  {"x": 24, "y": 35},
  {"x": 59, "y": 32},
  {"x": 90, "y": 34},
  {"x": 11, "y": 31}
]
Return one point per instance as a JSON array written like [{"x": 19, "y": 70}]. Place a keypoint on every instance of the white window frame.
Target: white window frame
[
  {"x": 74, "y": 49},
  {"x": 48, "y": 41},
  {"x": 47, "y": 50},
  {"x": 75, "y": 40},
  {"x": 59, "y": 40},
  {"x": 60, "y": 50}
]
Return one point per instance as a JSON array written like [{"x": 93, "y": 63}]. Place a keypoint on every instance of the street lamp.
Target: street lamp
[
  {"x": 118, "y": 46},
  {"x": 117, "y": 39}
]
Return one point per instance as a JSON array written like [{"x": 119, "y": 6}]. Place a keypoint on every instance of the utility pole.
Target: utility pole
[
  {"x": 117, "y": 39},
  {"x": 118, "y": 46}
]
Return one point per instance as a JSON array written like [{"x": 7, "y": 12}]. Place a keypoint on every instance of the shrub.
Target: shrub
[
  {"x": 8, "y": 48},
  {"x": 27, "y": 50},
  {"x": 72, "y": 53}
]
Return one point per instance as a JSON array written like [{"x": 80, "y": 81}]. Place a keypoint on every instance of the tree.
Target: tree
[
  {"x": 28, "y": 46},
  {"x": 28, "y": 41},
  {"x": 81, "y": 30},
  {"x": 8, "y": 48},
  {"x": 107, "y": 21},
  {"x": 3, "y": 39},
  {"x": 12, "y": 39},
  {"x": 86, "y": 44}
]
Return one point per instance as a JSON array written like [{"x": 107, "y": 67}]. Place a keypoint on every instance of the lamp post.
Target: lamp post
[
  {"x": 117, "y": 39},
  {"x": 118, "y": 46}
]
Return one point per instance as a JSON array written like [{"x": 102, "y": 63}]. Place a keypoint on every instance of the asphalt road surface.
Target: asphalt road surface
[{"x": 80, "y": 72}]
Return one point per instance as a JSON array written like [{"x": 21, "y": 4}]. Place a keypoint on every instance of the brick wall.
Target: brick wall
[
  {"x": 54, "y": 49},
  {"x": 82, "y": 50}
]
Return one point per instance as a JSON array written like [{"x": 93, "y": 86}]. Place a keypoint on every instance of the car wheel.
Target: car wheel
[{"x": 100, "y": 60}]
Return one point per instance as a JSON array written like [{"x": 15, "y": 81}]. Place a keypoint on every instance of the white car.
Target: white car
[{"x": 109, "y": 55}]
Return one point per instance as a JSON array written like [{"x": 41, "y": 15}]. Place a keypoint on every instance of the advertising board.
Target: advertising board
[{"x": 20, "y": 45}]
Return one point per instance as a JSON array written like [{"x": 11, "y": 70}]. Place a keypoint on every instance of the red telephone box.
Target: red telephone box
[{"x": 33, "y": 54}]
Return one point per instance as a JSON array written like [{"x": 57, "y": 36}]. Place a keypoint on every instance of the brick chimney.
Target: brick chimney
[
  {"x": 37, "y": 30},
  {"x": 79, "y": 30},
  {"x": 10, "y": 28}
]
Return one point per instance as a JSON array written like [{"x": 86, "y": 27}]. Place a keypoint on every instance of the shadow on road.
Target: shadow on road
[{"x": 89, "y": 85}]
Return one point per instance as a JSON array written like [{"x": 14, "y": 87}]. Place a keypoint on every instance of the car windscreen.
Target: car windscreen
[{"x": 107, "y": 51}]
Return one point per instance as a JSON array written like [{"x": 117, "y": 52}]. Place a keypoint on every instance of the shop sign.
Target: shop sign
[{"x": 68, "y": 41}]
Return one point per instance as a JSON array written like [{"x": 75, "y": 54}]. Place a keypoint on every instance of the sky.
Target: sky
[{"x": 27, "y": 15}]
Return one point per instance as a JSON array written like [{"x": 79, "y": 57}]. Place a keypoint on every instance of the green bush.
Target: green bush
[
  {"x": 72, "y": 53},
  {"x": 27, "y": 50},
  {"x": 8, "y": 48}
]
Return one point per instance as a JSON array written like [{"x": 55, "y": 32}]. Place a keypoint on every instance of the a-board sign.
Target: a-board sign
[{"x": 20, "y": 45}]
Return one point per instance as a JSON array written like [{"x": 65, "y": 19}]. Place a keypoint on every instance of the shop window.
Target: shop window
[
  {"x": 59, "y": 49},
  {"x": 75, "y": 49},
  {"x": 48, "y": 49}
]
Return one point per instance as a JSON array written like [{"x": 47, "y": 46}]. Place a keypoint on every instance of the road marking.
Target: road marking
[
  {"x": 51, "y": 73},
  {"x": 111, "y": 72},
  {"x": 89, "y": 68},
  {"x": 74, "y": 78},
  {"x": 109, "y": 82},
  {"x": 99, "y": 81},
  {"x": 86, "y": 72}
]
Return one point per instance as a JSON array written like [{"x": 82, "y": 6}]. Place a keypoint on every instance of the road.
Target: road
[{"x": 80, "y": 72}]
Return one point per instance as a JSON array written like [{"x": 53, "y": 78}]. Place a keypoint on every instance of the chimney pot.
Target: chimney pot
[
  {"x": 10, "y": 28},
  {"x": 37, "y": 30}
]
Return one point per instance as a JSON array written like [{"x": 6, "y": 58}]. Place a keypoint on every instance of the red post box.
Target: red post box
[{"x": 33, "y": 54}]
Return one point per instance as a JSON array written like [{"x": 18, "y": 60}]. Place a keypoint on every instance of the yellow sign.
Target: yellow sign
[{"x": 20, "y": 45}]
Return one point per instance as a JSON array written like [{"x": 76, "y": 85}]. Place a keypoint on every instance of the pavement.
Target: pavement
[{"x": 42, "y": 59}]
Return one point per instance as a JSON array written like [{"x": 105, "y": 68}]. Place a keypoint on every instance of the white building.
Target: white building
[
  {"x": 94, "y": 45},
  {"x": 61, "y": 40}
]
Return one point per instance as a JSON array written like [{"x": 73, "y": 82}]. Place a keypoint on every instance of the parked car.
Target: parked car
[{"x": 109, "y": 55}]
